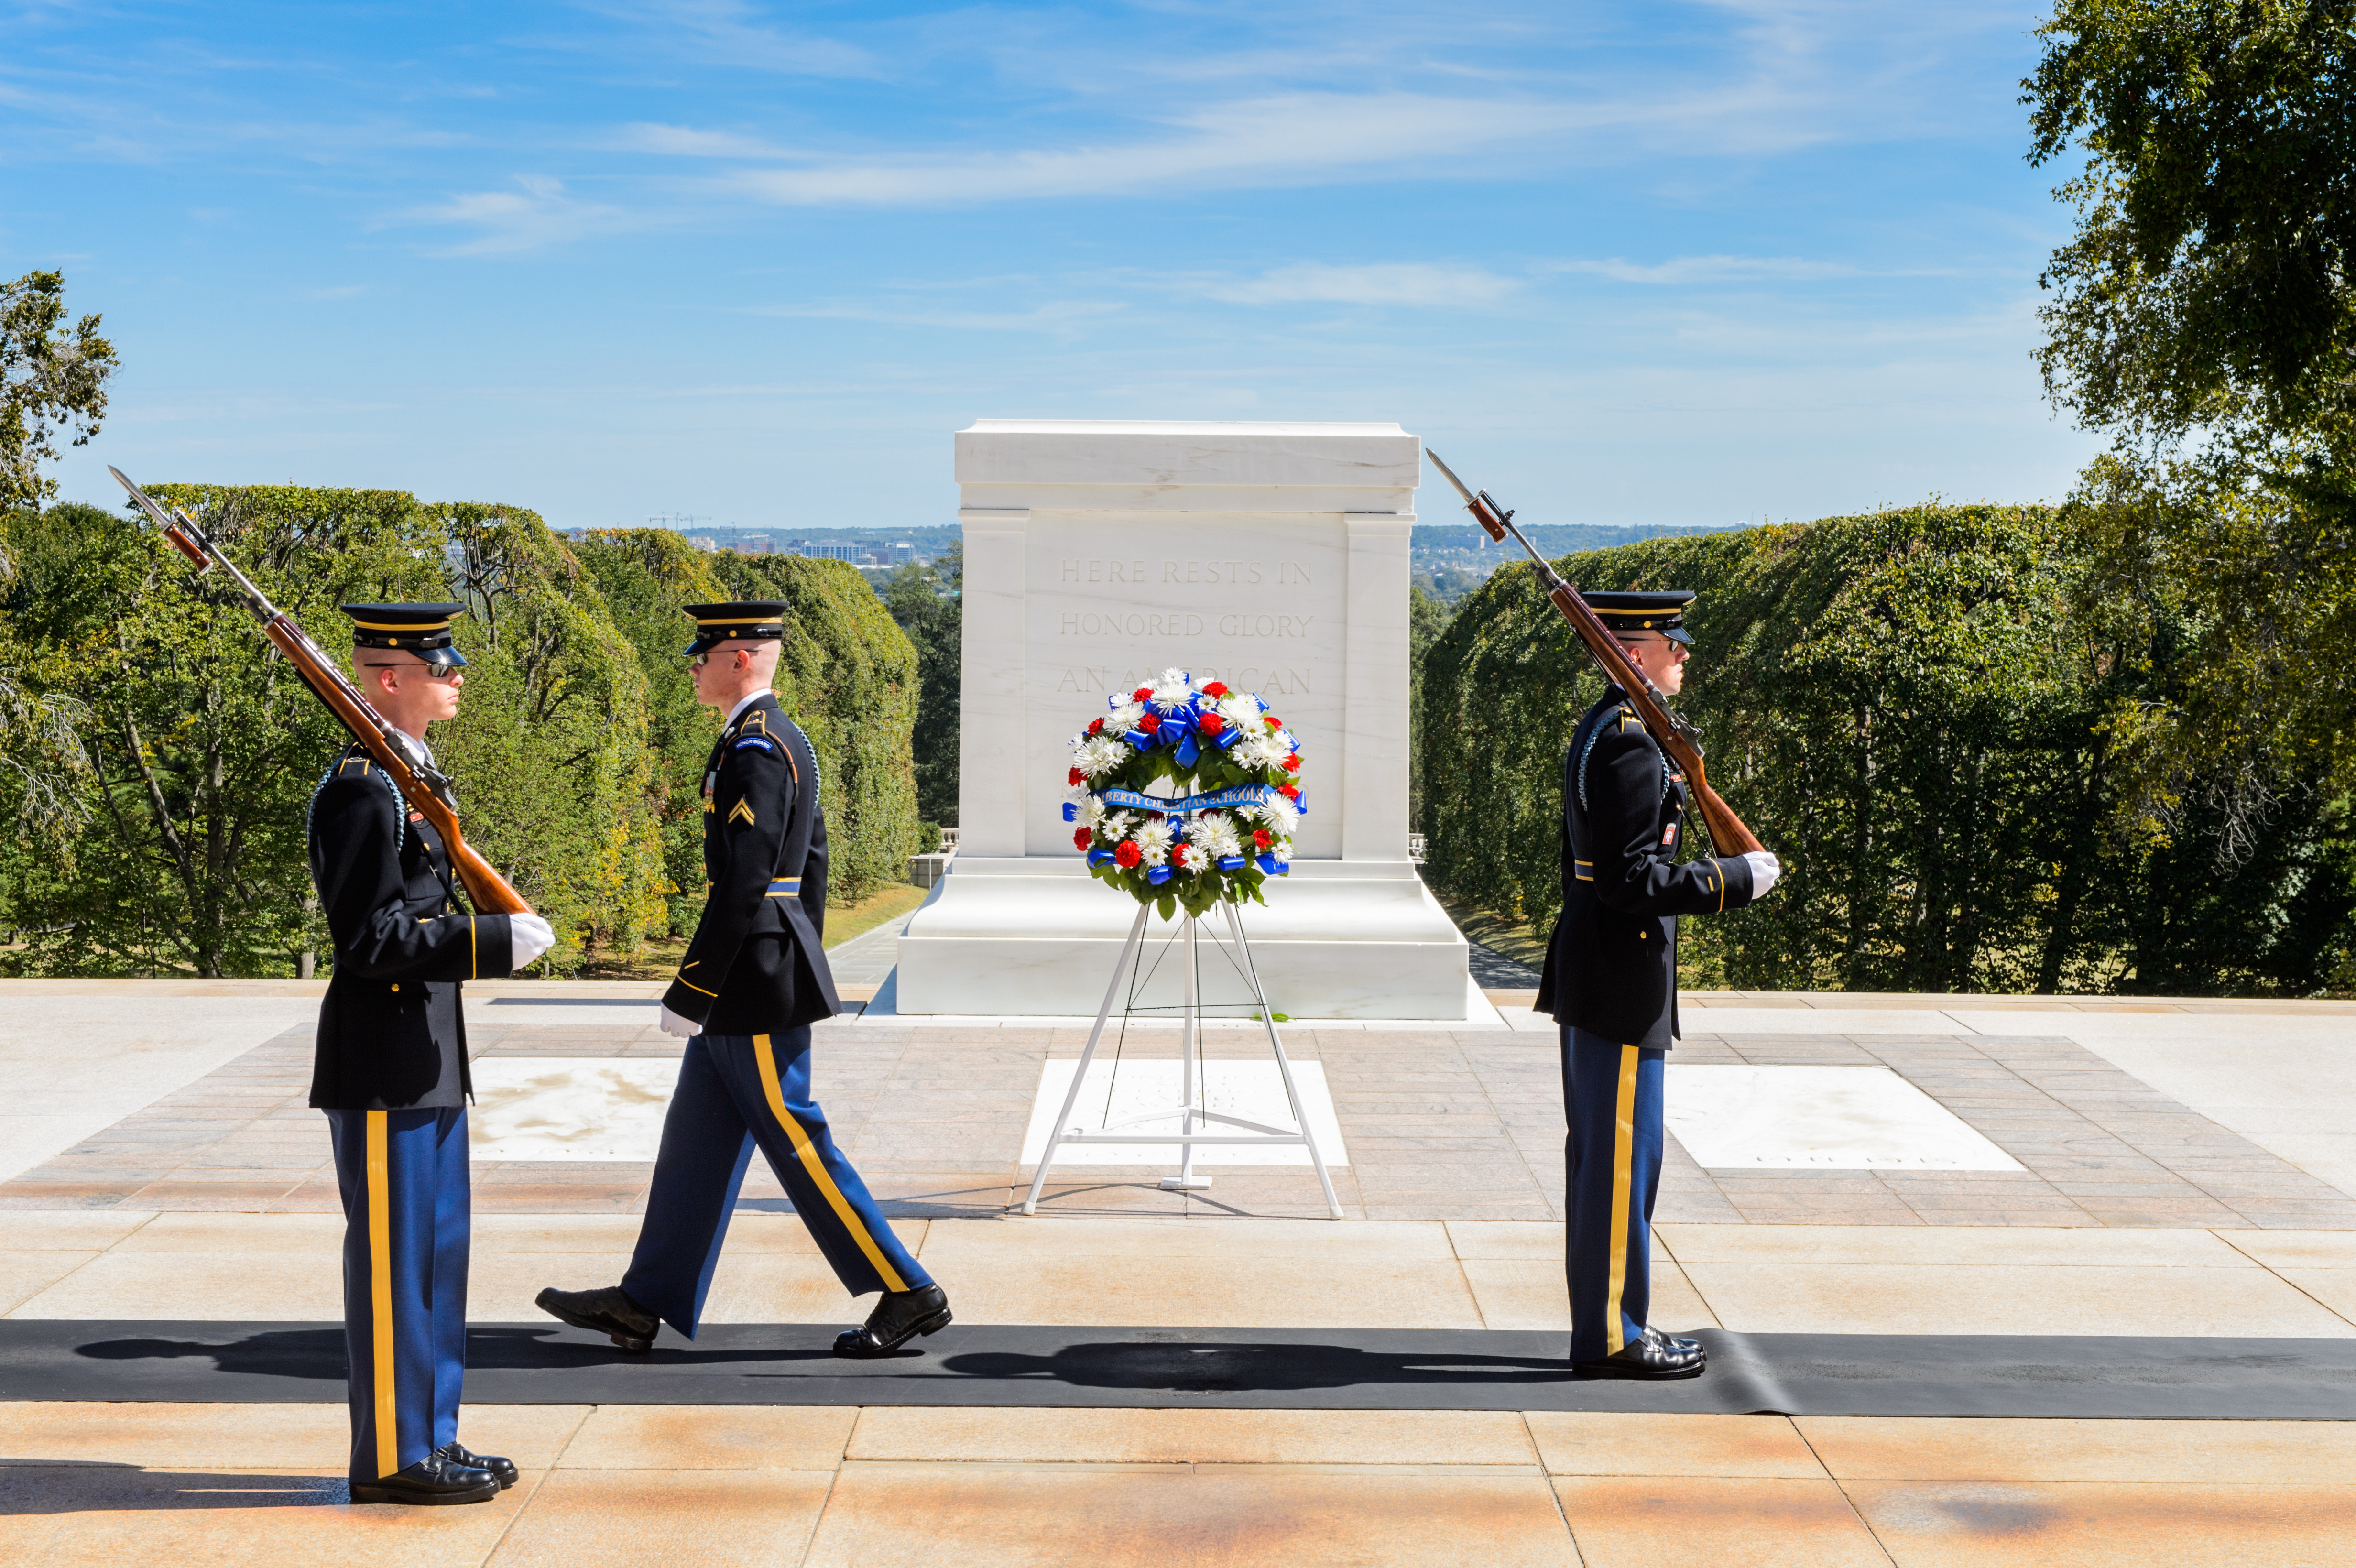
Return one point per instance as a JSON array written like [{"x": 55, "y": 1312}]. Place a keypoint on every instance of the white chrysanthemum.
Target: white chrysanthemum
[
  {"x": 1214, "y": 833},
  {"x": 1124, "y": 716},
  {"x": 1242, "y": 709},
  {"x": 1088, "y": 810},
  {"x": 1276, "y": 813},
  {"x": 1173, "y": 688},
  {"x": 1153, "y": 840},
  {"x": 1255, "y": 752},
  {"x": 1099, "y": 754},
  {"x": 1114, "y": 825}
]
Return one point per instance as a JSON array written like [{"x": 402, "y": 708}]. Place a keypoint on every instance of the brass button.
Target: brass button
[{"x": 396, "y": 985}]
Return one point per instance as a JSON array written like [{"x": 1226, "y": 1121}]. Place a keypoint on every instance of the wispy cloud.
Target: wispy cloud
[
  {"x": 1062, "y": 318},
  {"x": 731, "y": 33},
  {"x": 535, "y": 214},
  {"x": 1293, "y": 139},
  {"x": 1375, "y": 283},
  {"x": 1706, "y": 269},
  {"x": 686, "y": 142}
]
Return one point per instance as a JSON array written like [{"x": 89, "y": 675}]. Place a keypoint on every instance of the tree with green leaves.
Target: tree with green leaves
[
  {"x": 927, "y": 601},
  {"x": 1915, "y": 710},
  {"x": 2204, "y": 314},
  {"x": 205, "y": 748},
  {"x": 53, "y": 373}
]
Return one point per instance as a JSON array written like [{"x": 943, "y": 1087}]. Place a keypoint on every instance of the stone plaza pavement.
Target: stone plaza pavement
[{"x": 2183, "y": 1168}]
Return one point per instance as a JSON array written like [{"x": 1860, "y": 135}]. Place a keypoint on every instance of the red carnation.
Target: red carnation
[
  {"x": 1075, "y": 777},
  {"x": 1292, "y": 762},
  {"x": 1178, "y": 856},
  {"x": 1140, "y": 694},
  {"x": 1210, "y": 724},
  {"x": 1262, "y": 838},
  {"x": 1289, "y": 791},
  {"x": 1149, "y": 723},
  {"x": 1274, "y": 722},
  {"x": 1083, "y": 839},
  {"x": 1096, "y": 726},
  {"x": 1215, "y": 689},
  {"x": 1128, "y": 853}
]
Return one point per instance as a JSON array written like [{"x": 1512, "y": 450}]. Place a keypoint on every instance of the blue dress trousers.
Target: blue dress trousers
[
  {"x": 1612, "y": 1097},
  {"x": 403, "y": 1177},
  {"x": 737, "y": 1093}
]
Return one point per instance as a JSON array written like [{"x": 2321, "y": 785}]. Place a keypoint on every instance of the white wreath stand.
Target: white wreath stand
[{"x": 1187, "y": 1110}]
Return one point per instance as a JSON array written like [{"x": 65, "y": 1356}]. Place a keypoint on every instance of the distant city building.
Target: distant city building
[{"x": 854, "y": 553}]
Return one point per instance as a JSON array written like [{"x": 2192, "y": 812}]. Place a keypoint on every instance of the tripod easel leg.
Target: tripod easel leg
[
  {"x": 1129, "y": 951},
  {"x": 1190, "y": 1052},
  {"x": 1283, "y": 1066}
]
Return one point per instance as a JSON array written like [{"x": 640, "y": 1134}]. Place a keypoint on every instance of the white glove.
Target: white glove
[
  {"x": 670, "y": 1023},
  {"x": 1764, "y": 869},
  {"x": 529, "y": 936}
]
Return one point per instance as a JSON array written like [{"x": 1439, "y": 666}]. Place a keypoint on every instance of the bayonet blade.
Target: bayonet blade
[{"x": 1436, "y": 463}]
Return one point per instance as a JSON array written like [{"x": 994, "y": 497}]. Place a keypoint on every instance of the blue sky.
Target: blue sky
[{"x": 1623, "y": 263}]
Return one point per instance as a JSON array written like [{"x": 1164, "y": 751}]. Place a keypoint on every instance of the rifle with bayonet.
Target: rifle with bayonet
[
  {"x": 1728, "y": 834},
  {"x": 425, "y": 786}
]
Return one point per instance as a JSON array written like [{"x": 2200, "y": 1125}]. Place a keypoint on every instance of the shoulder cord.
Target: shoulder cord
[
  {"x": 400, "y": 806},
  {"x": 1589, "y": 750}
]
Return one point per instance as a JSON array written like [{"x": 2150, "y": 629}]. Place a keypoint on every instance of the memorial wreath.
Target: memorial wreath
[{"x": 1228, "y": 830}]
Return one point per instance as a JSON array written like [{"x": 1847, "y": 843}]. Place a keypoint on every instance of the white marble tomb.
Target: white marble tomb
[{"x": 1272, "y": 556}]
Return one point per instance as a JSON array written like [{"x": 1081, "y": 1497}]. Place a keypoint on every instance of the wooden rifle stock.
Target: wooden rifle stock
[
  {"x": 1728, "y": 835},
  {"x": 425, "y": 789}
]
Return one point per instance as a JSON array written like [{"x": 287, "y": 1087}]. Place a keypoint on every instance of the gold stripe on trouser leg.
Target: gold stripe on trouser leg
[
  {"x": 767, "y": 1057},
  {"x": 380, "y": 1202},
  {"x": 1623, "y": 1155}
]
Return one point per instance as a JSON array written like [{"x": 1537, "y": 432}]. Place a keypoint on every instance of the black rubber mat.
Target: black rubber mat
[{"x": 1316, "y": 1368}]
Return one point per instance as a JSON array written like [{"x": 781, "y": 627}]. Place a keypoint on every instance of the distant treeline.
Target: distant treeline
[
  {"x": 160, "y": 760},
  {"x": 1928, "y": 713}
]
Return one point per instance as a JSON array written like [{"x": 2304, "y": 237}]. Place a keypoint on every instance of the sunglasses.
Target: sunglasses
[{"x": 431, "y": 671}]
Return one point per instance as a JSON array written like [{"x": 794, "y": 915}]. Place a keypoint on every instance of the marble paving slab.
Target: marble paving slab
[
  {"x": 560, "y": 1107},
  {"x": 1116, "y": 1091},
  {"x": 1819, "y": 1118}
]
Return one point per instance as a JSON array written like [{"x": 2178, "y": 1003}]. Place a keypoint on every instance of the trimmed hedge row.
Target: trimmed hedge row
[{"x": 1912, "y": 710}]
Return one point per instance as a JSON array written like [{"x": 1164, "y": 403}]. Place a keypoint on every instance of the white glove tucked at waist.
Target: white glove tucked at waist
[
  {"x": 1764, "y": 869},
  {"x": 529, "y": 936}
]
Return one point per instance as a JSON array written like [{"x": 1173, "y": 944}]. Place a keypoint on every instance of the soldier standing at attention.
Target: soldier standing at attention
[
  {"x": 754, "y": 978},
  {"x": 1610, "y": 981},
  {"x": 391, "y": 1075}
]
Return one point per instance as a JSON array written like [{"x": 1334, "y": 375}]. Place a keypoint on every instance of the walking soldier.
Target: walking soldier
[{"x": 752, "y": 981}]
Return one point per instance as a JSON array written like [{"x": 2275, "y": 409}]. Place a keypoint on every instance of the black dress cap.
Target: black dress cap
[
  {"x": 747, "y": 621},
  {"x": 1661, "y": 610},
  {"x": 420, "y": 629}
]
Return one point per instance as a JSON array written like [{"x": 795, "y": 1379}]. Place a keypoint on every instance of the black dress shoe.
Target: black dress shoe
[
  {"x": 610, "y": 1312},
  {"x": 1678, "y": 1341},
  {"x": 502, "y": 1470},
  {"x": 1650, "y": 1356},
  {"x": 433, "y": 1480},
  {"x": 899, "y": 1317}
]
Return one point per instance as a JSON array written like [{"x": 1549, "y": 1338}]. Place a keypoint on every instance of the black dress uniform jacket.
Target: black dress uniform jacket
[
  {"x": 391, "y": 1036},
  {"x": 758, "y": 965},
  {"x": 1611, "y": 966}
]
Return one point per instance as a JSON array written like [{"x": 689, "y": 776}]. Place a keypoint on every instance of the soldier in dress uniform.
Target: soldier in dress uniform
[
  {"x": 1610, "y": 981},
  {"x": 390, "y": 1072},
  {"x": 752, "y": 981}
]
